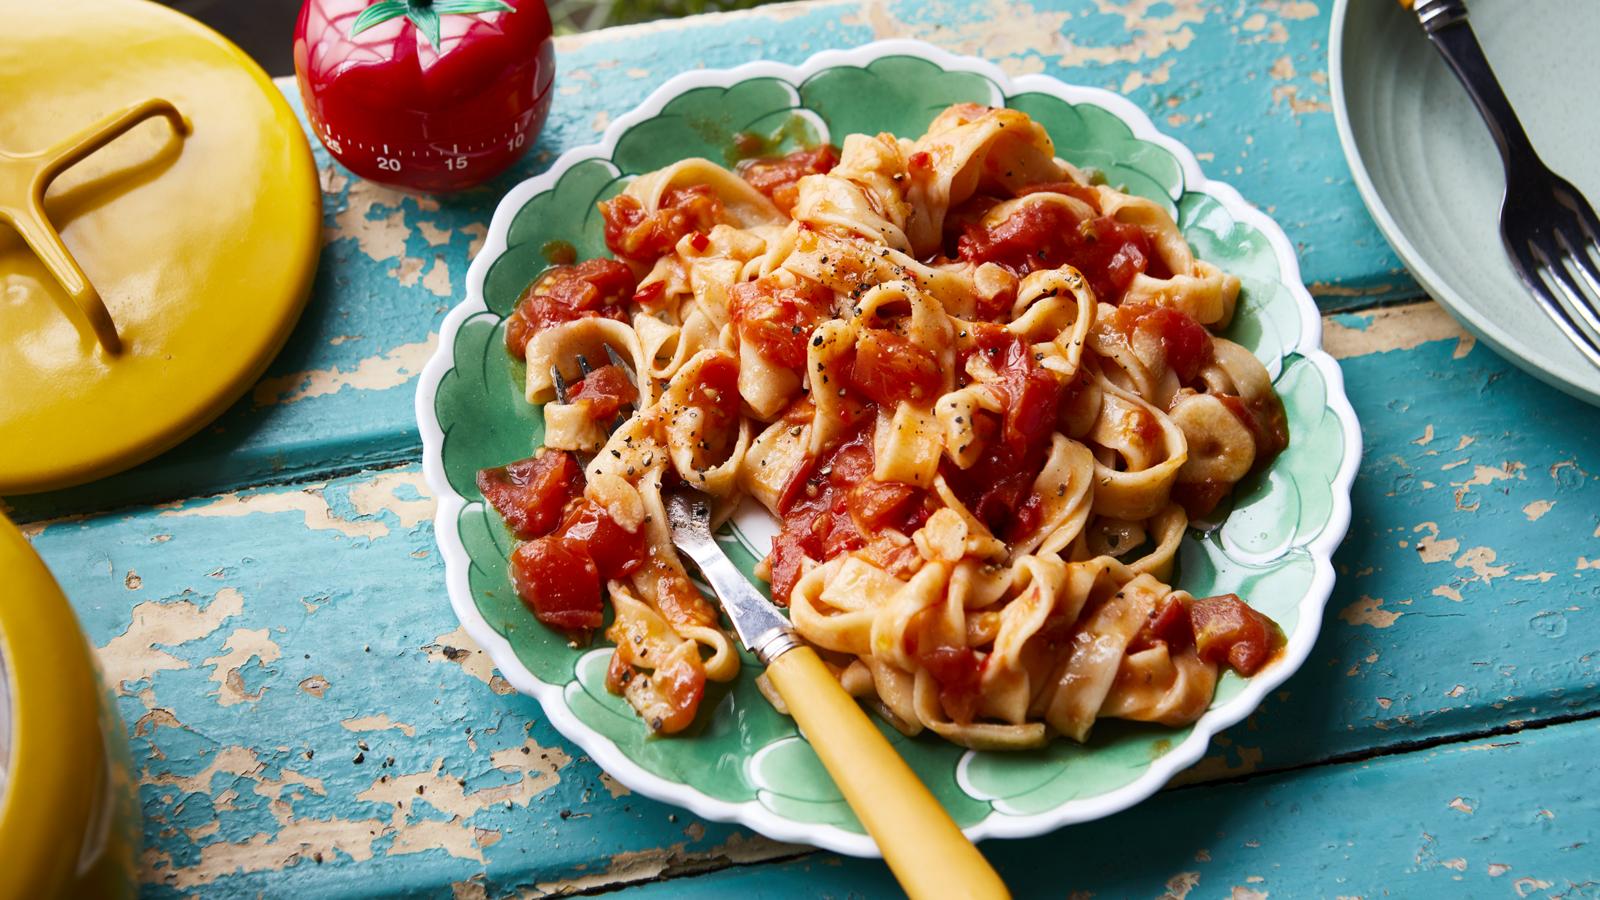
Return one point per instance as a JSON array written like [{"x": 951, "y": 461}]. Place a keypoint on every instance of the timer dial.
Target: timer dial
[{"x": 429, "y": 95}]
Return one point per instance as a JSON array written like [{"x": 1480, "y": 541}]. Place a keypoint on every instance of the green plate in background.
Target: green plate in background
[{"x": 1429, "y": 172}]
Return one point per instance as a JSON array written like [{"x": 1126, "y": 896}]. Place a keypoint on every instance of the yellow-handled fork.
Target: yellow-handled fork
[{"x": 922, "y": 845}]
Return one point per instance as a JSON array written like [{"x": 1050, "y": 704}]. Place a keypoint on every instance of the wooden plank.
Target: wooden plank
[
  {"x": 339, "y": 397},
  {"x": 260, "y": 635},
  {"x": 1507, "y": 818}
]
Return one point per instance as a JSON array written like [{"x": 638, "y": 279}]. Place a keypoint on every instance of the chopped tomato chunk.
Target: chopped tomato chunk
[
  {"x": 779, "y": 178},
  {"x": 594, "y": 287},
  {"x": 557, "y": 579},
  {"x": 889, "y": 368},
  {"x": 1227, "y": 630},
  {"x": 530, "y": 493},
  {"x": 1033, "y": 393},
  {"x": 633, "y": 234},
  {"x": 784, "y": 561},
  {"x": 1169, "y": 624},
  {"x": 1037, "y": 236},
  {"x": 607, "y": 390},
  {"x": 998, "y": 488},
  {"x": 875, "y": 503},
  {"x": 816, "y": 511},
  {"x": 717, "y": 398},
  {"x": 616, "y": 551},
  {"x": 778, "y": 320}
]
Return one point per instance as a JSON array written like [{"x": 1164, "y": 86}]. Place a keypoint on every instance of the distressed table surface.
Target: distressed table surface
[{"x": 308, "y": 718}]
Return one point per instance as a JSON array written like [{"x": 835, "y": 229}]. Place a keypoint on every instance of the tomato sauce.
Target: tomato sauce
[
  {"x": 1037, "y": 236},
  {"x": 595, "y": 287},
  {"x": 633, "y": 234},
  {"x": 778, "y": 320},
  {"x": 832, "y": 505},
  {"x": 779, "y": 178},
  {"x": 1186, "y": 342},
  {"x": 957, "y": 670},
  {"x": 998, "y": 488}
]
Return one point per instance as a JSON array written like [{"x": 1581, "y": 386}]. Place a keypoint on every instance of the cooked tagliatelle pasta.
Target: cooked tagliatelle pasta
[{"x": 981, "y": 393}]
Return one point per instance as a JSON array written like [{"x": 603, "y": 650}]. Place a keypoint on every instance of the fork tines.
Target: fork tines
[
  {"x": 1554, "y": 254},
  {"x": 564, "y": 390}
]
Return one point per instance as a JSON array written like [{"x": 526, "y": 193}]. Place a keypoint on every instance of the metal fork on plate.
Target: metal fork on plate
[
  {"x": 921, "y": 843},
  {"x": 1550, "y": 231}
]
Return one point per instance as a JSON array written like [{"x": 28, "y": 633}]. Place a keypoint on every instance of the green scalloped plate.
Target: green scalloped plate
[{"x": 743, "y": 761}]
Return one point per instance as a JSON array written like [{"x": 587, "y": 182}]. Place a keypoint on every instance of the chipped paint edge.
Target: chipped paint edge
[{"x": 750, "y": 813}]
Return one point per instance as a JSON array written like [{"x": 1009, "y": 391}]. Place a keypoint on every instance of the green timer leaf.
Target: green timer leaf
[{"x": 424, "y": 14}]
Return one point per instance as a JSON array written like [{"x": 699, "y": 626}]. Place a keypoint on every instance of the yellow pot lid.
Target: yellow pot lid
[{"x": 189, "y": 216}]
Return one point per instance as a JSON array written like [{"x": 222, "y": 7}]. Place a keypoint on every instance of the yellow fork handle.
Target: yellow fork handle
[{"x": 922, "y": 845}]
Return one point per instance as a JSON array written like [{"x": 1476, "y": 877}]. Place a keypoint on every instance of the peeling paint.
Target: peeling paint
[
  {"x": 1179, "y": 886},
  {"x": 1537, "y": 509},
  {"x": 379, "y": 722},
  {"x": 379, "y": 238},
  {"x": 1396, "y": 328},
  {"x": 243, "y": 645},
  {"x": 1368, "y": 611},
  {"x": 645, "y": 865},
  {"x": 136, "y": 654},
  {"x": 459, "y": 648},
  {"x": 386, "y": 370}
]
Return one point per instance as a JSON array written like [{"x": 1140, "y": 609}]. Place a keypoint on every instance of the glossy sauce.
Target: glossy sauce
[{"x": 1048, "y": 236}]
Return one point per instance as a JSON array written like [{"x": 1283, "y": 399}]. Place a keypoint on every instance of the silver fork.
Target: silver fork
[
  {"x": 564, "y": 391},
  {"x": 1548, "y": 228},
  {"x": 923, "y": 846}
]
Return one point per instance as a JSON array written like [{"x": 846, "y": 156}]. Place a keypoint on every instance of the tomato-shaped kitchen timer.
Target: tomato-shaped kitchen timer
[{"x": 430, "y": 95}]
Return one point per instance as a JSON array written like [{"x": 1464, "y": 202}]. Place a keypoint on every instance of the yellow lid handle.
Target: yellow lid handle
[
  {"x": 23, "y": 181},
  {"x": 922, "y": 845}
]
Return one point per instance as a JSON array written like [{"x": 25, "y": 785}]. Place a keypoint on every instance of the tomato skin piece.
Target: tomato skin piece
[
  {"x": 1187, "y": 343},
  {"x": 779, "y": 177},
  {"x": 607, "y": 390},
  {"x": 1169, "y": 624},
  {"x": 876, "y": 503},
  {"x": 889, "y": 368},
  {"x": 1227, "y": 630},
  {"x": 594, "y": 287},
  {"x": 958, "y": 671},
  {"x": 616, "y": 551},
  {"x": 529, "y": 494},
  {"x": 558, "y": 581},
  {"x": 778, "y": 320}
]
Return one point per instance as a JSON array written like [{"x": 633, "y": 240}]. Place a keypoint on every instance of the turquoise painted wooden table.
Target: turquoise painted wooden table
[{"x": 308, "y": 718}]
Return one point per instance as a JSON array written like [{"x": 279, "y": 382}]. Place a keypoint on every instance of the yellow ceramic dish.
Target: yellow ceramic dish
[
  {"x": 69, "y": 814},
  {"x": 200, "y": 234}
]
